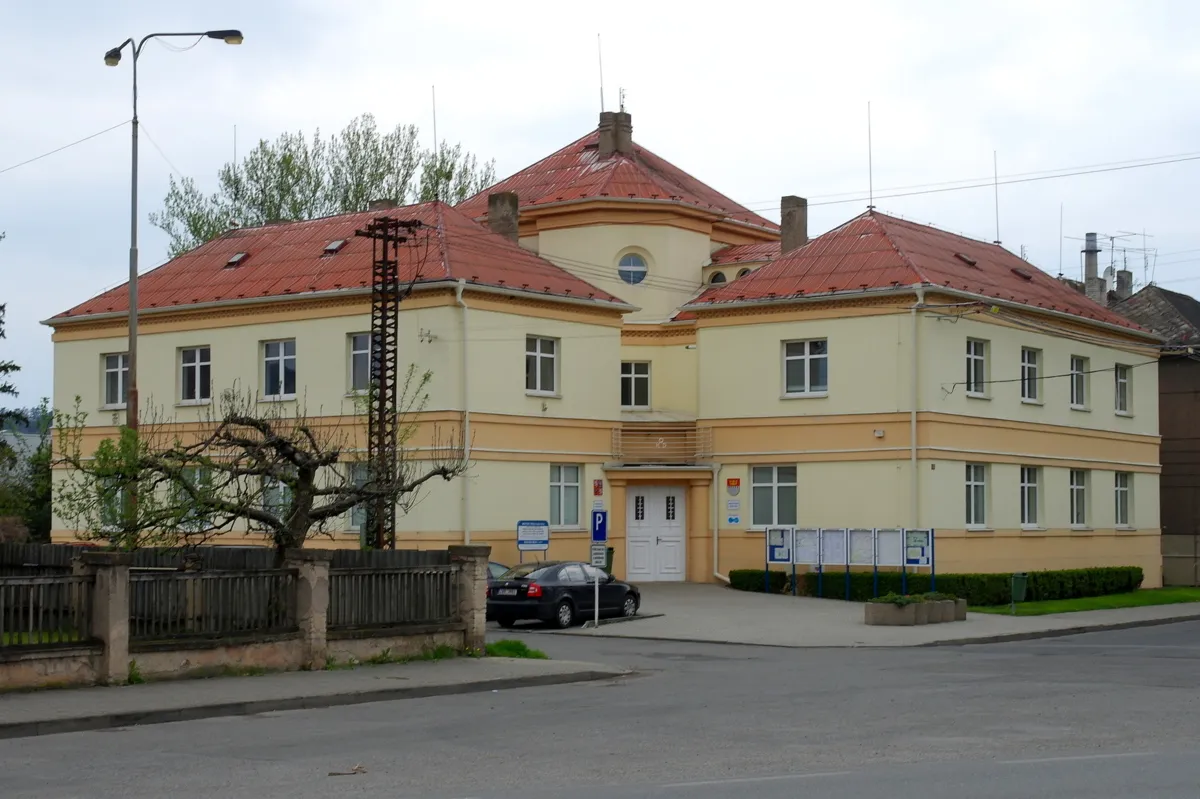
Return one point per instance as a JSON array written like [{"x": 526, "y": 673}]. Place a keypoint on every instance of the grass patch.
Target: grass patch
[
  {"x": 1132, "y": 599},
  {"x": 386, "y": 657},
  {"x": 45, "y": 637},
  {"x": 509, "y": 648}
]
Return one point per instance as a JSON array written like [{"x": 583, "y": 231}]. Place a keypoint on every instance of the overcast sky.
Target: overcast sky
[{"x": 758, "y": 100}]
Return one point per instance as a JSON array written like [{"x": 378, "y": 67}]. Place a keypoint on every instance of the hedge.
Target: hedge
[{"x": 977, "y": 589}]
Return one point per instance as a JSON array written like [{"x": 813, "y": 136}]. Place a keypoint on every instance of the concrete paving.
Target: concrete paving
[
  {"x": 75, "y": 709},
  {"x": 716, "y": 614}
]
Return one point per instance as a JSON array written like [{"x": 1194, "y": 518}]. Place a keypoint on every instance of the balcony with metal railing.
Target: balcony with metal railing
[{"x": 661, "y": 444}]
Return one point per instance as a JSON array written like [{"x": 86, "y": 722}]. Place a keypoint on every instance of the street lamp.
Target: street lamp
[{"x": 112, "y": 58}]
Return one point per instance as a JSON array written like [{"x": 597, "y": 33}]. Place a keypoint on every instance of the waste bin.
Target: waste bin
[
  {"x": 1020, "y": 581},
  {"x": 608, "y": 559}
]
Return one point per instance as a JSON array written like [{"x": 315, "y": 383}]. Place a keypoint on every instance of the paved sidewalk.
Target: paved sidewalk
[
  {"x": 75, "y": 709},
  {"x": 716, "y": 614}
]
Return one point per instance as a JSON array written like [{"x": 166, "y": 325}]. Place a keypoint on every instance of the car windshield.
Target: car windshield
[{"x": 531, "y": 570}]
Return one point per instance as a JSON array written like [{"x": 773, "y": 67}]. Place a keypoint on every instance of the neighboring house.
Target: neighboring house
[
  {"x": 22, "y": 445},
  {"x": 1175, "y": 317},
  {"x": 695, "y": 369}
]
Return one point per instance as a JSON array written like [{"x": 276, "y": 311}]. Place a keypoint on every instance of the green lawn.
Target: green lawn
[{"x": 1133, "y": 599}]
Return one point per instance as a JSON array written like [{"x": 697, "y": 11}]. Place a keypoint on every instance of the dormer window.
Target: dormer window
[
  {"x": 332, "y": 247},
  {"x": 717, "y": 277},
  {"x": 966, "y": 259},
  {"x": 236, "y": 259},
  {"x": 632, "y": 268}
]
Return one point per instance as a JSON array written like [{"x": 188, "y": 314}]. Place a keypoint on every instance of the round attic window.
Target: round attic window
[
  {"x": 743, "y": 273},
  {"x": 717, "y": 277},
  {"x": 632, "y": 268}
]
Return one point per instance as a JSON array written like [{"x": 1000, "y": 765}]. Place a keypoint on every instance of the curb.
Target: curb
[
  {"x": 1065, "y": 631},
  {"x": 103, "y": 721}
]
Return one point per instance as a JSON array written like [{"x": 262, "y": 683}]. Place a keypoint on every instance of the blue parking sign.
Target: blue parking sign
[{"x": 599, "y": 526}]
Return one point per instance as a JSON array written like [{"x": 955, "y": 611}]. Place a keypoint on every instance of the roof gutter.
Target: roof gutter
[{"x": 717, "y": 215}]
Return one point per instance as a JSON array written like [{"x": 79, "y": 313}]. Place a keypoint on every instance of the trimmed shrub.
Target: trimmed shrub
[
  {"x": 752, "y": 580},
  {"x": 899, "y": 600}
]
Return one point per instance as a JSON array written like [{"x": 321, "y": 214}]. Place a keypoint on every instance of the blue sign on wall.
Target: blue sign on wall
[{"x": 599, "y": 526}]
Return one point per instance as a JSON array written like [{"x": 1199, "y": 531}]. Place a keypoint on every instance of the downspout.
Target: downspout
[
  {"x": 915, "y": 499},
  {"x": 716, "y": 523},
  {"x": 465, "y": 494}
]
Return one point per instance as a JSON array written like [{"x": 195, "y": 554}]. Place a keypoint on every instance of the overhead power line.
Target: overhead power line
[{"x": 64, "y": 147}]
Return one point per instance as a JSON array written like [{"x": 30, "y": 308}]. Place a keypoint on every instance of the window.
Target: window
[
  {"x": 635, "y": 384},
  {"x": 541, "y": 364},
  {"x": 1078, "y": 498},
  {"x": 591, "y": 573},
  {"x": 976, "y": 367},
  {"x": 1029, "y": 496},
  {"x": 1122, "y": 376},
  {"x": 571, "y": 573},
  {"x": 632, "y": 268},
  {"x": 717, "y": 278},
  {"x": 564, "y": 495},
  {"x": 279, "y": 369},
  {"x": 276, "y": 497},
  {"x": 744, "y": 272},
  {"x": 1079, "y": 382},
  {"x": 976, "y": 495},
  {"x": 358, "y": 479},
  {"x": 773, "y": 492},
  {"x": 1123, "y": 493},
  {"x": 199, "y": 480},
  {"x": 360, "y": 361},
  {"x": 1029, "y": 374},
  {"x": 805, "y": 367},
  {"x": 195, "y": 384},
  {"x": 116, "y": 379},
  {"x": 111, "y": 505}
]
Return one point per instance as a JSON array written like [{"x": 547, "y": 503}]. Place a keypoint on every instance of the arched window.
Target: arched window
[
  {"x": 717, "y": 277},
  {"x": 632, "y": 268},
  {"x": 744, "y": 272}
]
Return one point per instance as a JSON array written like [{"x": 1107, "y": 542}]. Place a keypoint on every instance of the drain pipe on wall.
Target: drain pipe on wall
[
  {"x": 915, "y": 499},
  {"x": 465, "y": 494},
  {"x": 716, "y": 523}
]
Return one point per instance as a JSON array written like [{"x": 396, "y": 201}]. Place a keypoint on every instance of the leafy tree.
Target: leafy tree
[
  {"x": 296, "y": 177},
  {"x": 25, "y": 484},
  {"x": 8, "y": 416}
]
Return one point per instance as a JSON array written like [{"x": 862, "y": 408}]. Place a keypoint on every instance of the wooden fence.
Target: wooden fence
[
  {"x": 213, "y": 604},
  {"x": 41, "y": 611},
  {"x": 373, "y": 598}
]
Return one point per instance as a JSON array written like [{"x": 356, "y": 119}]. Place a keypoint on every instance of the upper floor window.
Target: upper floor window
[
  {"x": 541, "y": 365},
  {"x": 976, "y": 495},
  {"x": 279, "y": 369},
  {"x": 805, "y": 367},
  {"x": 773, "y": 495},
  {"x": 1122, "y": 397},
  {"x": 976, "y": 367},
  {"x": 360, "y": 361},
  {"x": 1030, "y": 384},
  {"x": 632, "y": 268},
  {"x": 635, "y": 384},
  {"x": 1079, "y": 382},
  {"x": 195, "y": 374},
  {"x": 116, "y": 379}
]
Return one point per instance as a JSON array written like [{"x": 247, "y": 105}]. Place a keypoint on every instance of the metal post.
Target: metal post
[
  {"x": 820, "y": 580},
  {"x": 847, "y": 575},
  {"x": 793, "y": 574},
  {"x": 131, "y": 401},
  {"x": 596, "y": 620},
  {"x": 767, "y": 562},
  {"x": 932, "y": 562},
  {"x": 904, "y": 576}
]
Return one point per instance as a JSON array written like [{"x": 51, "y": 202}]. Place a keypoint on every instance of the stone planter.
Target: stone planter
[
  {"x": 922, "y": 612},
  {"x": 960, "y": 610},
  {"x": 885, "y": 614},
  {"x": 944, "y": 610}
]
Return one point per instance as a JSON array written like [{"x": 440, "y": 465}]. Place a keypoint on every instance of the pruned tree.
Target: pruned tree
[
  {"x": 285, "y": 475},
  {"x": 295, "y": 177}
]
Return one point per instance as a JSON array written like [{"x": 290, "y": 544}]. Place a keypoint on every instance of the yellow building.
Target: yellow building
[{"x": 691, "y": 367}]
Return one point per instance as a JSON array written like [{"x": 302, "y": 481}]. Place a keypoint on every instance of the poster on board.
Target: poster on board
[
  {"x": 862, "y": 547},
  {"x": 807, "y": 549},
  {"x": 918, "y": 547},
  {"x": 779, "y": 545},
  {"x": 889, "y": 544},
  {"x": 833, "y": 546}
]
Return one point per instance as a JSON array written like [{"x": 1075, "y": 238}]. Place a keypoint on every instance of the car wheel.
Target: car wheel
[
  {"x": 507, "y": 624},
  {"x": 564, "y": 615},
  {"x": 630, "y": 606}
]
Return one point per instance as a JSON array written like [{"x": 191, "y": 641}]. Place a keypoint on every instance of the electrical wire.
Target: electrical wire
[
  {"x": 64, "y": 147},
  {"x": 1039, "y": 378},
  {"x": 146, "y": 130}
]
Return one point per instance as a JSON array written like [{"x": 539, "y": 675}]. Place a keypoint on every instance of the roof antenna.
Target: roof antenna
[
  {"x": 996, "y": 186},
  {"x": 437, "y": 189},
  {"x": 621, "y": 96},
  {"x": 600, "y": 58},
  {"x": 870, "y": 164},
  {"x": 1060, "y": 240}
]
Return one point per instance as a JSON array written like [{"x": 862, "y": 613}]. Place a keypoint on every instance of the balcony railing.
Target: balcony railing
[{"x": 636, "y": 443}]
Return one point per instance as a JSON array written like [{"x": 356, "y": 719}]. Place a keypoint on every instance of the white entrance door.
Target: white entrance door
[{"x": 655, "y": 533}]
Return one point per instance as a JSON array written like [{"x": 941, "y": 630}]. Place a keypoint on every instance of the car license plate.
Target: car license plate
[{"x": 506, "y": 592}]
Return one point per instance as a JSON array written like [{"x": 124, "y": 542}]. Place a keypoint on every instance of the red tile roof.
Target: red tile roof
[
  {"x": 876, "y": 251},
  {"x": 578, "y": 172},
  {"x": 288, "y": 260},
  {"x": 747, "y": 253}
]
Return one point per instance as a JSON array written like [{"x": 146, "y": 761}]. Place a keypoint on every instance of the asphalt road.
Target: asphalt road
[{"x": 1101, "y": 716}]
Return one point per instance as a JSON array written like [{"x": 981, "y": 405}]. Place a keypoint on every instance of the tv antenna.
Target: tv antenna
[
  {"x": 996, "y": 187},
  {"x": 870, "y": 164},
  {"x": 600, "y": 59}
]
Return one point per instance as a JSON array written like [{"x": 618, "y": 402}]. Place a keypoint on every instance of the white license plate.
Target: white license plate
[{"x": 506, "y": 592}]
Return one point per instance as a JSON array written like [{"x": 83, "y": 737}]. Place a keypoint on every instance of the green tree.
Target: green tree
[
  {"x": 8, "y": 416},
  {"x": 297, "y": 177},
  {"x": 25, "y": 485}
]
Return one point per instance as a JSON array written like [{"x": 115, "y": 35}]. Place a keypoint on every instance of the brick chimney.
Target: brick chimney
[
  {"x": 1093, "y": 284},
  {"x": 616, "y": 133},
  {"x": 793, "y": 227},
  {"x": 381, "y": 205},
  {"x": 1124, "y": 284},
  {"x": 503, "y": 215}
]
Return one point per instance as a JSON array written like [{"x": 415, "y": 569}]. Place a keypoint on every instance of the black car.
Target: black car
[
  {"x": 558, "y": 592},
  {"x": 495, "y": 570}
]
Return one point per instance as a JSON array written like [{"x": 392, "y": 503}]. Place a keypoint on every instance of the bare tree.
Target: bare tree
[{"x": 283, "y": 474}]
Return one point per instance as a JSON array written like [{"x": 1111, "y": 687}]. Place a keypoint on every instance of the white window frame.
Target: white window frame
[
  {"x": 977, "y": 352},
  {"x": 1077, "y": 482},
  {"x": 122, "y": 373},
  {"x": 560, "y": 487},
  {"x": 282, "y": 358},
  {"x": 201, "y": 389},
  {"x": 1031, "y": 489},
  {"x": 352, "y": 347},
  {"x": 1123, "y": 389},
  {"x": 1079, "y": 383},
  {"x": 1123, "y": 500},
  {"x": 357, "y": 474},
  {"x": 1031, "y": 381},
  {"x": 807, "y": 360},
  {"x": 275, "y": 494},
  {"x": 195, "y": 476},
  {"x": 534, "y": 350},
  {"x": 110, "y": 506},
  {"x": 975, "y": 478},
  {"x": 629, "y": 374},
  {"x": 776, "y": 484}
]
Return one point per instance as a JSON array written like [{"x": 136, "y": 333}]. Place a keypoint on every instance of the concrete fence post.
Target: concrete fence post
[
  {"x": 312, "y": 602},
  {"x": 472, "y": 562},
  {"x": 110, "y": 611}
]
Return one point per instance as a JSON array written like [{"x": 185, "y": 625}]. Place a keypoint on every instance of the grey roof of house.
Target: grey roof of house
[{"x": 1174, "y": 316}]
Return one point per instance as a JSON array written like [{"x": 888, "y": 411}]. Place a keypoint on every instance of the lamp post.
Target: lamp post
[{"x": 112, "y": 58}]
